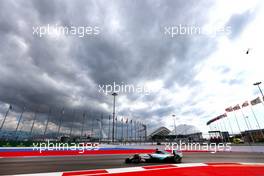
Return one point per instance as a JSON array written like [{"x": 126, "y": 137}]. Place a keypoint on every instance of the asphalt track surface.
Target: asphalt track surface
[{"x": 26, "y": 165}]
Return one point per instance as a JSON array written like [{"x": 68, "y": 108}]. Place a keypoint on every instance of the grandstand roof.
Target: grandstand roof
[{"x": 162, "y": 131}]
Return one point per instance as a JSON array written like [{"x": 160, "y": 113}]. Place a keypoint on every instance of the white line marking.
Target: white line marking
[
  {"x": 252, "y": 164},
  {"x": 128, "y": 169},
  {"x": 123, "y": 170},
  {"x": 190, "y": 165}
]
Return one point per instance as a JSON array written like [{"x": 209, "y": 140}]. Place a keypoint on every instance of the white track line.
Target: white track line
[
  {"x": 43, "y": 174},
  {"x": 136, "y": 169},
  {"x": 127, "y": 169},
  {"x": 190, "y": 165}
]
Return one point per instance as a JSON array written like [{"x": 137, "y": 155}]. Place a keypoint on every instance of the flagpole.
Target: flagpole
[
  {"x": 138, "y": 128},
  {"x": 92, "y": 127},
  {"x": 131, "y": 130},
  {"x": 257, "y": 121},
  {"x": 113, "y": 130},
  {"x": 109, "y": 128},
  {"x": 60, "y": 122},
  {"x": 210, "y": 128},
  {"x": 237, "y": 124},
  {"x": 122, "y": 130},
  {"x": 222, "y": 130},
  {"x": 248, "y": 121},
  {"x": 224, "y": 125},
  {"x": 72, "y": 123},
  {"x": 247, "y": 126},
  {"x": 83, "y": 123},
  {"x": 135, "y": 130},
  {"x": 145, "y": 134},
  {"x": 139, "y": 132},
  {"x": 2, "y": 125},
  {"x": 228, "y": 120},
  {"x": 225, "y": 128},
  {"x": 216, "y": 127},
  {"x": 116, "y": 129},
  {"x": 35, "y": 117},
  {"x": 19, "y": 120},
  {"x": 47, "y": 123},
  {"x": 133, "y": 135},
  {"x": 127, "y": 130},
  {"x": 101, "y": 126}
]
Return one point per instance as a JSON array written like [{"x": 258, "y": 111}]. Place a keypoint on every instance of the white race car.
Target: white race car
[{"x": 157, "y": 156}]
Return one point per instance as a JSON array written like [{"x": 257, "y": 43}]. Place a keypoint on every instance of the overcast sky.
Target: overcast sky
[{"x": 194, "y": 76}]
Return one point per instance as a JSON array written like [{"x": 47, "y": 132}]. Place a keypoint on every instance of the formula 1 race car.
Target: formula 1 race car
[{"x": 157, "y": 156}]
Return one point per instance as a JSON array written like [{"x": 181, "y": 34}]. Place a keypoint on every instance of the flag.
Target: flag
[
  {"x": 229, "y": 109},
  {"x": 255, "y": 101},
  {"x": 216, "y": 118},
  {"x": 210, "y": 121},
  {"x": 245, "y": 104},
  {"x": 237, "y": 107},
  {"x": 221, "y": 116}
]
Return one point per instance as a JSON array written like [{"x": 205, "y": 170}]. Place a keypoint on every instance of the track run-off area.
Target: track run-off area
[{"x": 204, "y": 163}]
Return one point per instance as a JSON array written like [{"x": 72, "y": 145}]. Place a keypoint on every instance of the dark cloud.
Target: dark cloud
[{"x": 65, "y": 72}]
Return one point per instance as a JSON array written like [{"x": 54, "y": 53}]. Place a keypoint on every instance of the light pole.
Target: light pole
[
  {"x": 113, "y": 130},
  {"x": 173, "y": 116},
  {"x": 257, "y": 84},
  {"x": 100, "y": 128}
]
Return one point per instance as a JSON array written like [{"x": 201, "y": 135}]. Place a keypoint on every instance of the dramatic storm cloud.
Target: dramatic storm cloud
[{"x": 191, "y": 75}]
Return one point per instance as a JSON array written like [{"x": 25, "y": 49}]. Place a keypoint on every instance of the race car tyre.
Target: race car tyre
[
  {"x": 180, "y": 160},
  {"x": 177, "y": 159},
  {"x": 136, "y": 160},
  {"x": 127, "y": 161}
]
